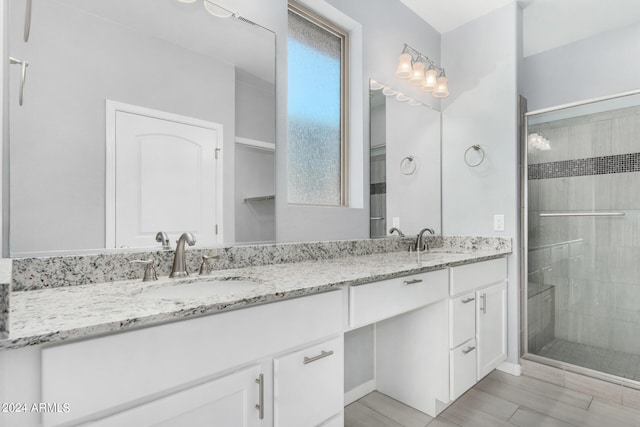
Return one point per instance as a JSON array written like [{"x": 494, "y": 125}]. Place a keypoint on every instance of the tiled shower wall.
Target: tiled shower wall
[{"x": 592, "y": 262}]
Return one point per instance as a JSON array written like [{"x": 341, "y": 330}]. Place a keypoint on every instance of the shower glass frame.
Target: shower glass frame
[{"x": 524, "y": 250}]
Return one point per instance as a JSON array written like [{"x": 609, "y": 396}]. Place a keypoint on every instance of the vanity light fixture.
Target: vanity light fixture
[
  {"x": 412, "y": 64},
  {"x": 214, "y": 8}
]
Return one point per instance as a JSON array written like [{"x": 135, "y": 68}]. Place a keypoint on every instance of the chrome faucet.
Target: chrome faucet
[
  {"x": 179, "y": 268},
  {"x": 400, "y": 233},
  {"x": 421, "y": 244}
]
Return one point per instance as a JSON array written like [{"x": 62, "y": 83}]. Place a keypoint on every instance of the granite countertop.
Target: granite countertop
[{"x": 64, "y": 313}]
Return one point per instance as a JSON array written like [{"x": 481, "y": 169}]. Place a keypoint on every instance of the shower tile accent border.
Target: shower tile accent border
[
  {"x": 378, "y": 188},
  {"x": 35, "y": 273},
  {"x": 619, "y": 163}
]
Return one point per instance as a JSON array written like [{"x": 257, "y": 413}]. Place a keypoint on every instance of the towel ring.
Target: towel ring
[
  {"x": 476, "y": 147},
  {"x": 408, "y": 165}
]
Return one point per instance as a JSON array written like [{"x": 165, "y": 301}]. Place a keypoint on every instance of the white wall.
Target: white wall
[
  {"x": 481, "y": 62},
  {"x": 602, "y": 65},
  {"x": 413, "y": 198}
]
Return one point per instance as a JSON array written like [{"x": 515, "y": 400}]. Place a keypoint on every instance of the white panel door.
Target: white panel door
[
  {"x": 165, "y": 180},
  {"x": 491, "y": 312},
  {"x": 229, "y": 401}
]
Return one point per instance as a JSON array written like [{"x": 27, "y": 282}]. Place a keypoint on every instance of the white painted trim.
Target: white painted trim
[
  {"x": 359, "y": 392},
  {"x": 255, "y": 143},
  {"x": 514, "y": 369},
  {"x": 111, "y": 108}
]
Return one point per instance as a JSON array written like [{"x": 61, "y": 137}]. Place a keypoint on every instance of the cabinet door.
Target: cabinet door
[
  {"x": 491, "y": 324},
  {"x": 228, "y": 401},
  {"x": 309, "y": 385}
]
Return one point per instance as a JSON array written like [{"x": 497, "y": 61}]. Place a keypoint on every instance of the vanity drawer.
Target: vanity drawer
[
  {"x": 463, "y": 368},
  {"x": 309, "y": 385},
  {"x": 462, "y": 319},
  {"x": 467, "y": 277},
  {"x": 376, "y": 301}
]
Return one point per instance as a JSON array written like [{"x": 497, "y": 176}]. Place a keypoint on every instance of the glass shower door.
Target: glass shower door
[{"x": 583, "y": 254}]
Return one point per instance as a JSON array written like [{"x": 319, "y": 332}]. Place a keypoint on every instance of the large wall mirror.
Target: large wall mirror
[
  {"x": 405, "y": 160},
  {"x": 138, "y": 117}
]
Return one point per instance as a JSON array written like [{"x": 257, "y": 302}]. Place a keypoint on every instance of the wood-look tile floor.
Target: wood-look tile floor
[{"x": 498, "y": 400}]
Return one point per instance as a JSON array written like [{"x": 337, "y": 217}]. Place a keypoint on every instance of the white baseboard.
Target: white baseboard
[
  {"x": 510, "y": 368},
  {"x": 359, "y": 391}
]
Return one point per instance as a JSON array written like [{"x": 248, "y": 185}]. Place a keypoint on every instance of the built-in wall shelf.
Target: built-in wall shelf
[
  {"x": 254, "y": 143},
  {"x": 259, "y": 199}
]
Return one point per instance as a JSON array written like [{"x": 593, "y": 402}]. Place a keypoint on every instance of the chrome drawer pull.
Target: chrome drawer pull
[
  {"x": 412, "y": 282},
  {"x": 322, "y": 355},
  {"x": 468, "y": 350},
  {"x": 260, "y": 405},
  {"x": 468, "y": 300}
]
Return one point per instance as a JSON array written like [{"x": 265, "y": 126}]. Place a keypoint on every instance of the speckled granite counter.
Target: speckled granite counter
[
  {"x": 5, "y": 293},
  {"x": 63, "y": 313}
]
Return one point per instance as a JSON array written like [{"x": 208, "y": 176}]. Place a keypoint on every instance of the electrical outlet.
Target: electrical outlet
[
  {"x": 396, "y": 222},
  {"x": 498, "y": 222}
]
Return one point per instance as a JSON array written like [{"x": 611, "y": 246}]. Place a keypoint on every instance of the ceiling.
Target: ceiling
[{"x": 547, "y": 23}]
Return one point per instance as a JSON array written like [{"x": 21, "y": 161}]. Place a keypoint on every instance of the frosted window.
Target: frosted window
[{"x": 314, "y": 102}]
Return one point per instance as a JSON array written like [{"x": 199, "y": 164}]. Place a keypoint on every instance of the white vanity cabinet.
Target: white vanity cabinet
[
  {"x": 477, "y": 322},
  {"x": 491, "y": 324},
  {"x": 309, "y": 385},
  {"x": 203, "y": 370},
  {"x": 227, "y": 401}
]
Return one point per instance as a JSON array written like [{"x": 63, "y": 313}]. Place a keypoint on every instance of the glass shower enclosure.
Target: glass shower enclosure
[{"x": 583, "y": 235}]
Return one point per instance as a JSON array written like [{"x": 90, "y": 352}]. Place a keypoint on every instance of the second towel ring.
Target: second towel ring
[
  {"x": 408, "y": 165},
  {"x": 476, "y": 147}
]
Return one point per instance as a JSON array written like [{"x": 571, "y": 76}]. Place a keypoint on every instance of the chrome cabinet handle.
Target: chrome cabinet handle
[
  {"x": 468, "y": 350},
  {"x": 27, "y": 21},
  {"x": 483, "y": 305},
  {"x": 412, "y": 282},
  {"x": 322, "y": 355},
  {"x": 23, "y": 78},
  {"x": 468, "y": 300},
  {"x": 260, "y": 405}
]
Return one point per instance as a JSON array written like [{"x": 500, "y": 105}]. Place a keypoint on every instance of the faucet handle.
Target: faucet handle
[
  {"x": 204, "y": 267},
  {"x": 149, "y": 270}
]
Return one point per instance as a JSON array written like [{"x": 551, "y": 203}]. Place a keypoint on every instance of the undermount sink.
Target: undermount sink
[{"x": 209, "y": 288}]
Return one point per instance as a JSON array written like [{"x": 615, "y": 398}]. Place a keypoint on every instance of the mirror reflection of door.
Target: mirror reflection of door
[{"x": 164, "y": 178}]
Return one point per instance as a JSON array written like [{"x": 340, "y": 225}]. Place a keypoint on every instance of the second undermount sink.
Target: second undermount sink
[{"x": 209, "y": 288}]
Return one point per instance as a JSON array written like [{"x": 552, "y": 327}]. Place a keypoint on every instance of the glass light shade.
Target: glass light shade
[
  {"x": 430, "y": 79},
  {"x": 404, "y": 66},
  {"x": 441, "y": 91},
  {"x": 387, "y": 91},
  {"x": 414, "y": 103},
  {"x": 375, "y": 85},
  {"x": 216, "y": 10},
  {"x": 417, "y": 73},
  {"x": 402, "y": 97}
]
